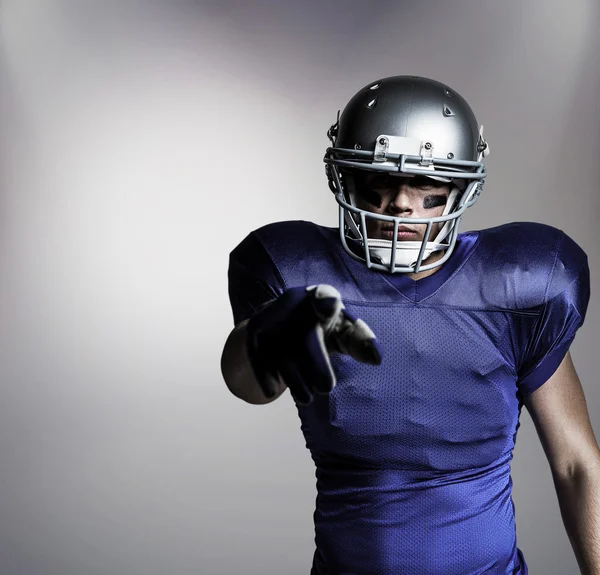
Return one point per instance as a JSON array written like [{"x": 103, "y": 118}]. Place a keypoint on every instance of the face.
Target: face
[{"x": 401, "y": 196}]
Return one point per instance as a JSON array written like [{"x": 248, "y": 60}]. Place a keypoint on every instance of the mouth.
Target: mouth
[{"x": 404, "y": 233}]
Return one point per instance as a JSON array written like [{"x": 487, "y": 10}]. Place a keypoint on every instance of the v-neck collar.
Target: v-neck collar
[{"x": 417, "y": 290}]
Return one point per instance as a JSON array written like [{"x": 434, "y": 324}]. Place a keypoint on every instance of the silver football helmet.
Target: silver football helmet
[{"x": 410, "y": 126}]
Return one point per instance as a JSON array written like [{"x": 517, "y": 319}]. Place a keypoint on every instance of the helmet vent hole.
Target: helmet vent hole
[
  {"x": 448, "y": 111},
  {"x": 375, "y": 86},
  {"x": 372, "y": 103}
]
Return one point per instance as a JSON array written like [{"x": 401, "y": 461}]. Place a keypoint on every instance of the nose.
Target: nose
[{"x": 401, "y": 202}]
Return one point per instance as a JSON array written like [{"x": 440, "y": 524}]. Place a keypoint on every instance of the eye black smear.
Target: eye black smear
[
  {"x": 434, "y": 201},
  {"x": 370, "y": 196}
]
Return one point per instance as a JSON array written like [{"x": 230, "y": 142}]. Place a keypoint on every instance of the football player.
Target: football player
[{"x": 409, "y": 348}]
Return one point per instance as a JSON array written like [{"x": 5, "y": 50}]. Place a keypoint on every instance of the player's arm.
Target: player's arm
[
  {"x": 554, "y": 397},
  {"x": 237, "y": 370},
  {"x": 287, "y": 343},
  {"x": 283, "y": 336},
  {"x": 254, "y": 282}
]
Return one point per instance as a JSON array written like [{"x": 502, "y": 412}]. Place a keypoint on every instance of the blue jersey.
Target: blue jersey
[{"x": 413, "y": 456}]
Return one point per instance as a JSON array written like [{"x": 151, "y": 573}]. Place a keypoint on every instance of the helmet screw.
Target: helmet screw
[
  {"x": 382, "y": 141},
  {"x": 357, "y": 146},
  {"x": 428, "y": 145},
  {"x": 450, "y": 155}
]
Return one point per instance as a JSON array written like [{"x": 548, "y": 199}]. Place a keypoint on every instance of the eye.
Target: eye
[{"x": 370, "y": 196}]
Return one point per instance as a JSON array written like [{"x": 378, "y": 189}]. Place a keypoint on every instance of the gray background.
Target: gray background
[{"x": 140, "y": 143}]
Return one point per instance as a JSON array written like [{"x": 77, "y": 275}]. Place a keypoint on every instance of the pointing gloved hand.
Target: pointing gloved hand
[{"x": 293, "y": 336}]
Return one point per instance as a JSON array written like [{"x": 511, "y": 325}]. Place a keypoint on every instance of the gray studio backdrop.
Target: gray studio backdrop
[{"x": 140, "y": 142}]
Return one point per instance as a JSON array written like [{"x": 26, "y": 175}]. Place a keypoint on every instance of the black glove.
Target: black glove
[{"x": 294, "y": 335}]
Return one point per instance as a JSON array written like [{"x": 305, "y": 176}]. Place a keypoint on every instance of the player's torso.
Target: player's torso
[
  {"x": 413, "y": 455},
  {"x": 445, "y": 396}
]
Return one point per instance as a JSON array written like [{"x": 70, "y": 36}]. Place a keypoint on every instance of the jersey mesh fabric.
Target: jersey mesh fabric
[{"x": 413, "y": 456}]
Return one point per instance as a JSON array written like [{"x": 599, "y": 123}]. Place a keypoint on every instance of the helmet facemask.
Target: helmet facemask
[{"x": 377, "y": 252}]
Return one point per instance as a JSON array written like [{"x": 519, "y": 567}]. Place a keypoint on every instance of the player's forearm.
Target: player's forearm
[
  {"x": 237, "y": 371},
  {"x": 579, "y": 501}
]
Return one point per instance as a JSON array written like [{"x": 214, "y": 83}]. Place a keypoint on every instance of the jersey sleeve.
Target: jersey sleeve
[
  {"x": 253, "y": 278},
  {"x": 562, "y": 314}
]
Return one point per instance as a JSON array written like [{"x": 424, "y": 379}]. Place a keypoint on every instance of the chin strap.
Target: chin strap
[{"x": 407, "y": 253}]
